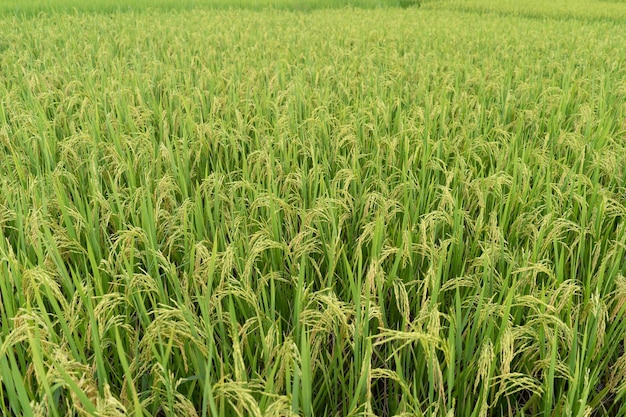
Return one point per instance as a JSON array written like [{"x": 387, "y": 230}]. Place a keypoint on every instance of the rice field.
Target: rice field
[{"x": 320, "y": 208}]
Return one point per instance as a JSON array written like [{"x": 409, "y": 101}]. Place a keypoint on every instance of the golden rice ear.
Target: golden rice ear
[
  {"x": 514, "y": 383},
  {"x": 280, "y": 407},
  {"x": 600, "y": 314},
  {"x": 39, "y": 408},
  {"x": 619, "y": 298},
  {"x": 39, "y": 282},
  {"x": 110, "y": 406},
  {"x": 484, "y": 375},
  {"x": 238, "y": 397},
  {"x": 563, "y": 296},
  {"x": 402, "y": 300},
  {"x": 25, "y": 323}
]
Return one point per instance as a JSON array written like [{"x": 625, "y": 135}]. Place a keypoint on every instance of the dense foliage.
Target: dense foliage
[{"x": 393, "y": 211}]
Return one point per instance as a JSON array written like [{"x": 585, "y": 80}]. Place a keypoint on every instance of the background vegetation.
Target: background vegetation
[
  {"x": 383, "y": 212},
  {"x": 34, "y": 7}
]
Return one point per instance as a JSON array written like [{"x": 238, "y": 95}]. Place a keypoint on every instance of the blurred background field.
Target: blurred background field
[
  {"x": 558, "y": 9},
  {"x": 30, "y": 7}
]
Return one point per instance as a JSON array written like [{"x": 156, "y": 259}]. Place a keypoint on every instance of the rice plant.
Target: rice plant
[{"x": 374, "y": 212}]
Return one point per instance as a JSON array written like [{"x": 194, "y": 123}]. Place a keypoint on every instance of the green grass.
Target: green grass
[{"x": 416, "y": 212}]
